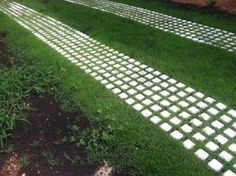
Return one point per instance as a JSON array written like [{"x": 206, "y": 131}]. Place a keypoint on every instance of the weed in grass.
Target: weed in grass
[
  {"x": 50, "y": 158},
  {"x": 74, "y": 160},
  {"x": 35, "y": 145},
  {"x": 7, "y": 149},
  {"x": 24, "y": 160},
  {"x": 93, "y": 140}
]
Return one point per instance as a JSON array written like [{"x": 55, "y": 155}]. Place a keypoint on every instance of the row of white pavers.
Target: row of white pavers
[
  {"x": 187, "y": 29},
  {"x": 202, "y": 124}
]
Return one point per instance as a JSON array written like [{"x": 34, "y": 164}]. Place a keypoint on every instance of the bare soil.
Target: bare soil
[
  {"x": 201, "y": 3},
  {"x": 223, "y": 5},
  {"x": 226, "y": 5},
  {"x": 48, "y": 124}
]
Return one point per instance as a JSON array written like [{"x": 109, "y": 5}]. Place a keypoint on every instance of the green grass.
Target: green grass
[
  {"x": 205, "y": 68},
  {"x": 16, "y": 83},
  {"x": 50, "y": 158},
  {"x": 24, "y": 160},
  {"x": 140, "y": 147}
]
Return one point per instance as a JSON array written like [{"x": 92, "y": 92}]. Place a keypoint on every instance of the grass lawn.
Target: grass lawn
[
  {"x": 137, "y": 147},
  {"x": 205, "y": 68}
]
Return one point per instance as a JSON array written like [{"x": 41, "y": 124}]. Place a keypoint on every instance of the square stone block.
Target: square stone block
[
  {"x": 212, "y": 146},
  {"x": 202, "y": 154},
  {"x": 155, "y": 119},
  {"x": 188, "y": 144},
  {"x": 166, "y": 127},
  {"x": 215, "y": 165}
]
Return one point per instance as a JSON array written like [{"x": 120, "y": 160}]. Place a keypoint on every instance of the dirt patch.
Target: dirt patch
[
  {"x": 37, "y": 150},
  {"x": 226, "y": 5},
  {"x": 222, "y": 5},
  {"x": 201, "y": 3},
  {"x": 7, "y": 58}
]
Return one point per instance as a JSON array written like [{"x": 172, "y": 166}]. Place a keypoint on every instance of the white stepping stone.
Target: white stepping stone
[
  {"x": 184, "y": 115},
  {"x": 165, "y": 114},
  {"x": 199, "y": 95},
  {"x": 173, "y": 98},
  {"x": 123, "y": 95},
  {"x": 226, "y": 156},
  {"x": 177, "y": 135},
  {"x": 181, "y": 94},
  {"x": 147, "y": 102},
  {"x": 172, "y": 89},
  {"x": 180, "y": 85},
  {"x": 156, "y": 97},
  {"x": 202, "y": 105},
  {"x": 198, "y": 136},
  {"x": 148, "y": 92},
  {"x": 138, "y": 107},
  {"x": 205, "y": 116},
  {"x": 174, "y": 109},
  {"x": 164, "y": 93},
  {"x": 155, "y": 120},
  {"x": 146, "y": 113},
  {"x": 140, "y": 87},
  {"x": 189, "y": 90},
  {"x": 225, "y": 118},
  {"x": 156, "y": 108},
  {"x": 139, "y": 96},
  {"x": 194, "y": 110},
  {"x": 212, "y": 146},
  {"x": 209, "y": 100},
  {"x": 213, "y": 111},
  {"x": 229, "y": 173},
  {"x": 217, "y": 124},
  {"x": 165, "y": 103},
  {"x": 196, "y": 122},
  {"x": 186, "y": 128},
  {"x": 202, "y": 154},
  {"x": 232, "y": 148},
  {"x": 221, "y": 139},
  {"x": 232, "y": 113},
  {"x": 215, "y": 165},
  {"x": 229, "y": 132},
  {"x": 188, "y": 144},
  {"x": 184, "y": 104},
  {"x": 175, "y": 121},
  {"x": 166, "y": 127},
  {"x": 221, "y": 106},
  {"x": 130, "y": 101},
  {"x": 116, "y": 91}
]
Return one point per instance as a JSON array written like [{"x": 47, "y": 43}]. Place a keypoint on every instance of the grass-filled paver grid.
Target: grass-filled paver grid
[
  {"x": 184, "y": 28},
  {"x": 202, "y": 124}
]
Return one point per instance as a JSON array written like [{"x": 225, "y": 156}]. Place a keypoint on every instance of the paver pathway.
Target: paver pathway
[
  {"x": 190, "y": 30},
  {"x": 202, "y": 124}
]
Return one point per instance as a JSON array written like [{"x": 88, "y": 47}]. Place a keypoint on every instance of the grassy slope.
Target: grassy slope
[
  {"x": 208, "y": 69},
  {"x": 157, "y": 153}
]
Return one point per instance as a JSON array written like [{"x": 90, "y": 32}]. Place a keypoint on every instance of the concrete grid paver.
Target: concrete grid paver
[
  {"x": 183, "y": 28},
  {"x": 202, "y": 124}
]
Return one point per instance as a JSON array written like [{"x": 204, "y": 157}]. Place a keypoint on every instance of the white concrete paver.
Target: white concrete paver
[
  {"x": 208, "y": 130},
  {"x": 183, "y": 28}
]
